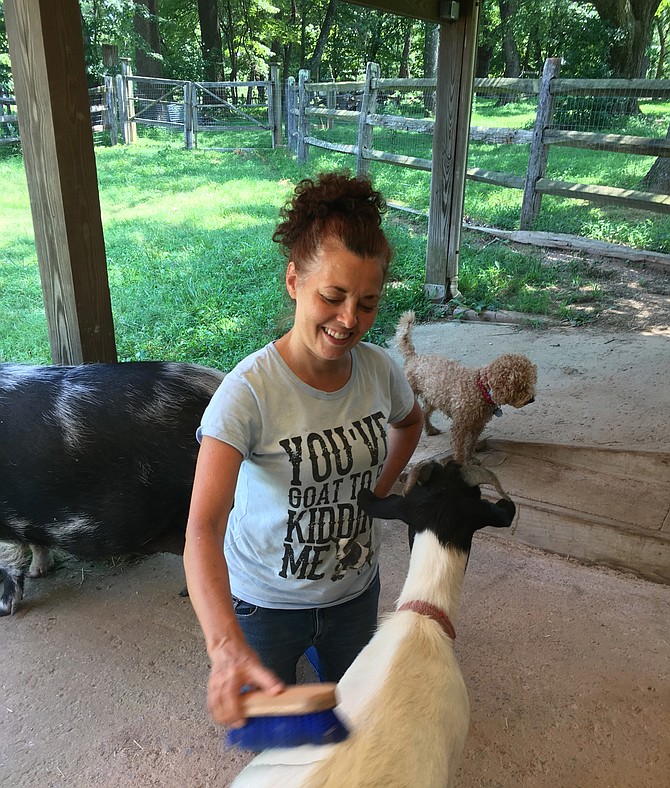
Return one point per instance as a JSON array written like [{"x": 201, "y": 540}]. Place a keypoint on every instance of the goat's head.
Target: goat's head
[{"x": 445, "y": 499}]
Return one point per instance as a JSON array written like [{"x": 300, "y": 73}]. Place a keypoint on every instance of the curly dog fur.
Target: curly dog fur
[{"x": 469, "y": 396}]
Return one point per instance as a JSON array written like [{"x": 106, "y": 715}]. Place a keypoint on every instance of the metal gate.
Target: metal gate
[{"x": 215, "y": 112}]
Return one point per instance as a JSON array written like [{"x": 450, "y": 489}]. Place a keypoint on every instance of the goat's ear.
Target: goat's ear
[
  {"x": 497, "y": 515},
  {"x": 386, "y": 508}
]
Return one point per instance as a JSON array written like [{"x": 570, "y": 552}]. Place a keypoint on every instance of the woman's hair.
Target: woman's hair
[{"x": 335, "y": 206}]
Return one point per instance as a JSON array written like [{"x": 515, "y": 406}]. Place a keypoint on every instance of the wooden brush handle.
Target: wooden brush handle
[{"x": 294, "y": 700}]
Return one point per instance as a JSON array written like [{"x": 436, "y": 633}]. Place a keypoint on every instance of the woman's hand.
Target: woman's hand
[{"x": 235, "y": 665}]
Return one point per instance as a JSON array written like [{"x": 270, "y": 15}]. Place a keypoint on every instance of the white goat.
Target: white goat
[{"x": 403, "y": 698}]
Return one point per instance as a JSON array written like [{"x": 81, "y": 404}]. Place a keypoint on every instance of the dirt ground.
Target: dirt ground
[{"x": 104, "y": 670}]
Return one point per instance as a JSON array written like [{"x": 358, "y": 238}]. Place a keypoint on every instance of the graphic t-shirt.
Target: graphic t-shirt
[{"x": 296, "y": 537}]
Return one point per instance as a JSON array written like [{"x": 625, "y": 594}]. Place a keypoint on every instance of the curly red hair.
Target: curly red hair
[{"x": 333, "y": 206}]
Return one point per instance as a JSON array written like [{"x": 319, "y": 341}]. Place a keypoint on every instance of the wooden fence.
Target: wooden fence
[
  {"x": 102, "y": 107},
  {"x": 125, "y": 101},
  {"x": 8, "y": 120},
  {"x": 327, "y": 101}
]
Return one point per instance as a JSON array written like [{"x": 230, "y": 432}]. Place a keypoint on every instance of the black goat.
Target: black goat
[{"x": 95, "y": 460}]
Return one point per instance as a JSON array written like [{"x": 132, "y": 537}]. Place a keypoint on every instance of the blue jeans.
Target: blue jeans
[{"x": 337, "y": 634}]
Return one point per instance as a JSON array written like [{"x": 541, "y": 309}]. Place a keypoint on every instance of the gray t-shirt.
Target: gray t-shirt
[{"x": 296, "y": 537}]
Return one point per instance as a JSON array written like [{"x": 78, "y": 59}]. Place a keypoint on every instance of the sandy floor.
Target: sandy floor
[{"x": 103, "y": 670}]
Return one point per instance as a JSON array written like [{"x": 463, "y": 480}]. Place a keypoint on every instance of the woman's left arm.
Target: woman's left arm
[{"x": 403, "y": 437}]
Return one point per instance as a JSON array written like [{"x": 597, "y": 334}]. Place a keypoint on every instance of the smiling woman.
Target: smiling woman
[{"x": 279, "y": 557}]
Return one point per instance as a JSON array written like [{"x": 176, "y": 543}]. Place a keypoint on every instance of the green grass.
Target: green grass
[{"x": 194, "y": 275}]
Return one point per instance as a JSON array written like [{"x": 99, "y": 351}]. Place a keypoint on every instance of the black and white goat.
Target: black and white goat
[
  {"x": 96, "y": 460},
  {"x": 404, "y": 698}
]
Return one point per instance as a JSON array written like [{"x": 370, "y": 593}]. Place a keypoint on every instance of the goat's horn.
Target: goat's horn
[
  {"x": 475, "y": 474},
  {"x": 411, "y": 479}
]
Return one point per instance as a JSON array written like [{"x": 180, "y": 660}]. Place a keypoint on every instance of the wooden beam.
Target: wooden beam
[
  {"x": 46, "y": 49},
  {"x": 455, "y": 78},
  {"x": 428, "y": 10}
]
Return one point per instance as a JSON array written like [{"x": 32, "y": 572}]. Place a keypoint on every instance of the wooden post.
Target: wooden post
[
  {"x": 189, "y": 91},
  {"x": 331, "y": 103},
  {"x": 303, "y": 76},
  {"x": 110, "y": 109},
  {"x": 110, "y": 56},
  {"x": 122, "y": 106},
  {"x": 539, "y": 152},
  {"x": 54, "y": 119},
  {"x": 453, "y": 101},
  {"x": 274, "y": 106},
  {"x": 290, "y": 114},
  {"x": 368, "y": 106},
  {"x": 130, "y": 134}
]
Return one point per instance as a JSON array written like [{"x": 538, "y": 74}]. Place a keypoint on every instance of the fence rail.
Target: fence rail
[{"x": 309, "y": 103}]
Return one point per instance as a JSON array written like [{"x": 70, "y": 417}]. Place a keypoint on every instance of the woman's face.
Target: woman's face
[{"x": 337, "y": 297}]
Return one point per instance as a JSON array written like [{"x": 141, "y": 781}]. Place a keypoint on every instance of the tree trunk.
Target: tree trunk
[
  {"x": 229, "y": 40},
  {"x": 658, "y": 178},
  {"x": 148, "y": 62},
  {"x": 210, "y": 32},
  {"x": 632, "y": 21},
  {"x": 403, "y": 71},
  {"x": 662, "y": 43},
  {"x": 315, "y": 60},
  {"x": 431, "y": 40},
  {"x": 508, "y": 10}
]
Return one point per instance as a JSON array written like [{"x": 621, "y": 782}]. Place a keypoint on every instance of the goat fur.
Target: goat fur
[{"x": 404, "y": 698}]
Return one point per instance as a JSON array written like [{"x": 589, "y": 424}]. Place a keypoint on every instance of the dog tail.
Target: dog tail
[{"x": 403, "y": 334}]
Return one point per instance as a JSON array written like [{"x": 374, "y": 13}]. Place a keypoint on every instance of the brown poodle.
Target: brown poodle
[{"x": 469, "y": 396}]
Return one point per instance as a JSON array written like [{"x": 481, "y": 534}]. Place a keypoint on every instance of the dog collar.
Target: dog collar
[
  {"x": 431, "y": 611},
  {"x": 488, "y": 399}
]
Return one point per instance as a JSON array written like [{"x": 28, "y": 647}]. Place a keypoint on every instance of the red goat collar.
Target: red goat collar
[{"x": 426, "y": 609}]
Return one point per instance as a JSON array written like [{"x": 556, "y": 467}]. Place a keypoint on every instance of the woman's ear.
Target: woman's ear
[{"x": 291, "y": 279}]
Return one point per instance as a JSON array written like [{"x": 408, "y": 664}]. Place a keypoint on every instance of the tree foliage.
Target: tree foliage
[{"x": 238, "y": 39}]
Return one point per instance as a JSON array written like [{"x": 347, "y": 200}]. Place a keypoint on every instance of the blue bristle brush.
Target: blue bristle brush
[{"x": 300, "y": 714}]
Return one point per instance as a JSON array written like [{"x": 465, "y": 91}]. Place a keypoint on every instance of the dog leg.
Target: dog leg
[{"x": 431, "y": 429}]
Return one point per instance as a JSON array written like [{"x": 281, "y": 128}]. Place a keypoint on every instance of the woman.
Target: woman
[{"x": 292, "y": 434}]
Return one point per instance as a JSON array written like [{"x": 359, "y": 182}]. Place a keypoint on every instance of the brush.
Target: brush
[{"x": 300, "y": 714}]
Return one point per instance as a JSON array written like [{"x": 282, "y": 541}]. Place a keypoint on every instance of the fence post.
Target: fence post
[
  {"x": 539, "y": 152},
  {"x": 331, "y": 103},
  {"x": 122, "y": 107},
  {"x": 290, "y": 114},
  {"x": 303, "y": 76},
  {"x": 274, "y": 106},
  {"x": 110, "y": 109},
  {"x": 188, "y": 115},
  {"x": 130, "y": 130},
  {"x": 368, "y": 106}
]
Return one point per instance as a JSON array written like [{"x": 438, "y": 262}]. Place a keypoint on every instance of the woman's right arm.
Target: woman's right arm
[{"x": 233, "y": 662}]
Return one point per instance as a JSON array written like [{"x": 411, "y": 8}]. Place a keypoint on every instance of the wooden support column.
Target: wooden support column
[
  {"x": 46, "y": 49},
  {"x": 455, "y": 78}
]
